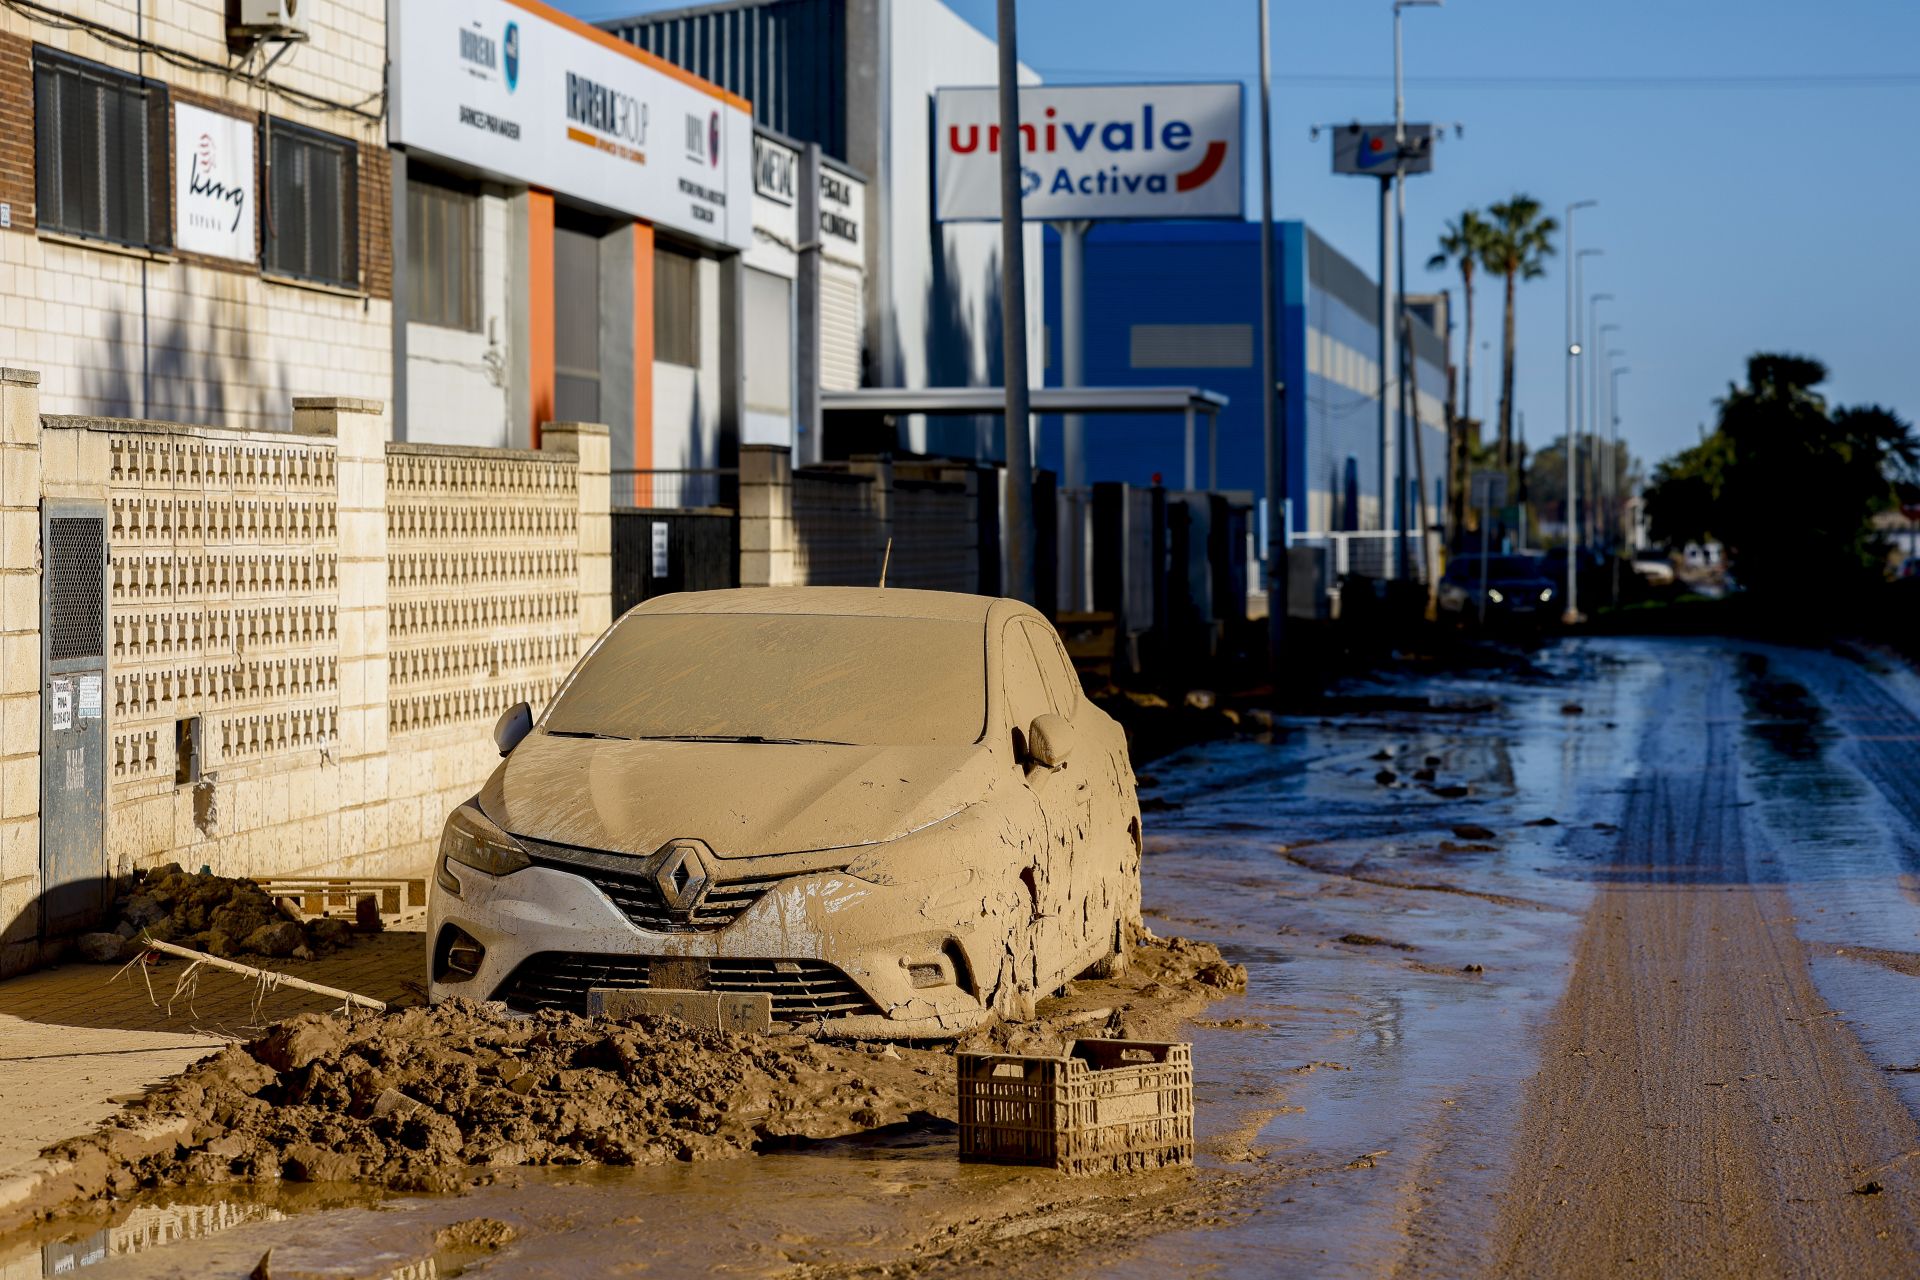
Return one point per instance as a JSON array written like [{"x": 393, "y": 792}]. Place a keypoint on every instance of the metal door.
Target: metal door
[{"x": 73, "y": 786}]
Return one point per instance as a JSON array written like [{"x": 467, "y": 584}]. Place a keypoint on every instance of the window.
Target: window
[
  {"x": 1062, "y": 683},
  {"x": 443, "y": 253},
  {"x": 313, "y": 205},
  {"x": 1026, "y": 688},
  {"x": 101, "y": 139},
  {"x": 769, "y": 343},
  {"x": 676, "y": 307}
]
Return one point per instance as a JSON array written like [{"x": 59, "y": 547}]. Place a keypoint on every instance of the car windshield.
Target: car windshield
[
  {"x": 859, "y": 680},
  {"x": 1467, "y": 568}
]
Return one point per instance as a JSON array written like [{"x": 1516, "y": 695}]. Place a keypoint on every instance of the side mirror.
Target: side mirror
[
  {"x": 1050, "y": 740},
  {"x": 514, "y": 724}
]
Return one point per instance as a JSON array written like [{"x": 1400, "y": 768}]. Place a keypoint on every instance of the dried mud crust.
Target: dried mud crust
[
  {"x": 431, "y": 1099},
  {"x": 221, "y": 915}
]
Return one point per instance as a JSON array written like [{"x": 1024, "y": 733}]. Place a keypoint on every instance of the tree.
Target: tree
[
  {"x": 1463, "y": 244},
  {"x": 1519, "y": 242},
  {"x": 1789, "y": 487},
  {"x": 1547, "y": 473}
]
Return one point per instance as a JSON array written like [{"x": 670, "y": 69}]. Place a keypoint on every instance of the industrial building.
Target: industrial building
[{"x": 1175, "y": 303}]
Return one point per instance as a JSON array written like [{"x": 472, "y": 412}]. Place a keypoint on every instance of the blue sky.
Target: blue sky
[{"x": 1747, "y": 154}]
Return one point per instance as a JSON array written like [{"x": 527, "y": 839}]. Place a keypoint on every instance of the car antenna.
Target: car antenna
[{"x": 884, "y": 559}]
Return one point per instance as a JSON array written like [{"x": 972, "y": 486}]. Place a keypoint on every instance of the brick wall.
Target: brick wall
[{"x": 179, "y": 336}]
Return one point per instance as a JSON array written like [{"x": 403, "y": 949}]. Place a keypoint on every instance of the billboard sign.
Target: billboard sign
[
  {"x": 213, "y": 175},
  {"x": 524, "y": 94},
  {"x": 1370, "y": 151},
  {"x": 1093, "y": 151}
]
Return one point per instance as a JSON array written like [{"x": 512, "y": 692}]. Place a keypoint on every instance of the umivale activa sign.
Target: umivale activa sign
[{"x": 1093, "y": 151}]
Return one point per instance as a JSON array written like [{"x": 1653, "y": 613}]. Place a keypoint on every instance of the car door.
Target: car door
[
  {"x": 1084, "y": 838},
  {"x": 1057, "y": 791}
]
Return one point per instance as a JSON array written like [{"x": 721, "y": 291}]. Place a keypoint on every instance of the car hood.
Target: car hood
[{"x": 741, "y": 799}]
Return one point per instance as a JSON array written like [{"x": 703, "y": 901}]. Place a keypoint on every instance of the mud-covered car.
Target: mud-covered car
[{"x": 894, "y": 812}]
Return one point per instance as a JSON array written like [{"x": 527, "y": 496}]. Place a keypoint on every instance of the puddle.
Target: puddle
[{"x": 1371, "y": 1091}]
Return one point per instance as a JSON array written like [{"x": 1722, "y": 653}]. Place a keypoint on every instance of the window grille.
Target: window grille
[
  {"x": 100, "y": 141},
  {"x": 313, "y": 205}
]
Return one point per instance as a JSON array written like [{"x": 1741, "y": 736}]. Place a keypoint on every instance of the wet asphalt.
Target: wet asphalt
[{"x": 1605, "y": 961}]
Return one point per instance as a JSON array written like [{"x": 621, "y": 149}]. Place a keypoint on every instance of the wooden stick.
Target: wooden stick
[{"x": 266, "y": 975}]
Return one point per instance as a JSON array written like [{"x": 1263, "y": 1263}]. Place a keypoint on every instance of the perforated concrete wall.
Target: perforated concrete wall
[{"x": 310, "y": 633}]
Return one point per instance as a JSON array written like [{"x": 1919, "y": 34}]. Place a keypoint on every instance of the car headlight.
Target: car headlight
[
  {"x": 1546, "y": 594},
  {"x": 1493, "y": 594},
  {"x": 472, "y": 840}
]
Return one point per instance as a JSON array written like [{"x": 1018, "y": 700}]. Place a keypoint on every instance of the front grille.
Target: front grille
[
  {"x": 635, "y": 891},
  {"x": 802, "y": 990}
]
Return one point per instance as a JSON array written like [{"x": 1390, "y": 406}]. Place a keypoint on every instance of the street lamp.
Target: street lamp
[
  {"x": 1589, "y": 413},
  {"x": 1572, "y": 613},
  {"x": 1598, "y": 423},
  {"x": 1275, "y": 482},
  {"x": 1406, "y": 433}
]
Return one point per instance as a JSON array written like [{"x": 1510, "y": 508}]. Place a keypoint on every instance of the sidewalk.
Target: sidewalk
[{"x": 75, "y": 1041}]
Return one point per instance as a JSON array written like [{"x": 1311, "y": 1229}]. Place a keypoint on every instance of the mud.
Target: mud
[
  {"x": 221, "y": 915},
  {"x": 437, "y": 1099}
]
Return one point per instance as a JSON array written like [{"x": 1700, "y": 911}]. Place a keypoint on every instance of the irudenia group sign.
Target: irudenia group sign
[
  {"x": 519, "y": 92},
  {"x": 1094, "y": 151}
]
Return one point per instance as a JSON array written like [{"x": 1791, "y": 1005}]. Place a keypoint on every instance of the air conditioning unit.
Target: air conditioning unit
[{"x": 270, "y": 19}]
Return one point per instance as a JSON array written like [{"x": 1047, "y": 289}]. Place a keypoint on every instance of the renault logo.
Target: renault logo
[{"x": 680, "y": 874}]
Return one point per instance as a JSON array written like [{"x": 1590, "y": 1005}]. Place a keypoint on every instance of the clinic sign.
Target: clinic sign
[
  {"x": 525, "y": 95},
  {"x": 1093, "y": 151}
]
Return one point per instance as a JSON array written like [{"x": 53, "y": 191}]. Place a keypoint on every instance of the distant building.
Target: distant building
[
  {"x": 1176, "y": 303},
  {"x": 858, "y": 78}
]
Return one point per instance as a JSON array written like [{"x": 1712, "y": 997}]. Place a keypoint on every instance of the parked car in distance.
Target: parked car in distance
[
  {"x": 1519, "y": 588},
  {"x": 894, "y": 812}
]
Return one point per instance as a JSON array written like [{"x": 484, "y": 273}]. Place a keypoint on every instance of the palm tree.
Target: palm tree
[
  {"x": 1519, "y": 242},
  {"x": 1463, "y": 243}
]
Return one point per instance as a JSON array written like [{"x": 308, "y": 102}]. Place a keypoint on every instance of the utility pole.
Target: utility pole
[
  {"x": 1408, "y": 393},
  {"x": 1073, "y": 344},
  {"x": 1592, "y": 346},
  {"x": 1270, "y": 403},
  {"x": 1572, "y": 613},
  {"x": 1013, "y": 308}
]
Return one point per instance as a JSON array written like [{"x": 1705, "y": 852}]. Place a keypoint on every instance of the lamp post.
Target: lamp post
[
  {"x": 1614, "y": 496},
  {"x": 1572, "y": 613},
  {"x": 1408, "y": 430},
  {"x": 1013, "y": 289},
  {"x": 1598, "y": 430},
  {"x": 1589, "y": 420},
  {"x": 1276, "y": 444}
]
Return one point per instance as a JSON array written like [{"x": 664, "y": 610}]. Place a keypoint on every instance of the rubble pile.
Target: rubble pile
[
  {"x": 424, "y": 1099},
  {"x": 220, "y": 915},
  {"x": 429, "y": 1099}
]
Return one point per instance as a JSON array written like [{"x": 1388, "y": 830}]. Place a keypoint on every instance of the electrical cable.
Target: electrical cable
[{"x": 47, "y": 16}]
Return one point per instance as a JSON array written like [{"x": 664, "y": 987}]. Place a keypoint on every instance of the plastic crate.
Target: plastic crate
[{"x": 1106, "y": 1106}]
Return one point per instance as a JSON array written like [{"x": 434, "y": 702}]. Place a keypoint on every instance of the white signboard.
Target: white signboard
[
  {"x": 526, "y": 95},
  {"x": 213, "y": 183},
  {"x": 1094, "y": 151}
]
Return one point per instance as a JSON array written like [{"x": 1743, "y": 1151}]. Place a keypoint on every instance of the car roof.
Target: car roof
[{"x": 868, "y": 602}]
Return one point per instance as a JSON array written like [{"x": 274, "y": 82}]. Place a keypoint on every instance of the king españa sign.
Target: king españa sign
[{"x": 1093, "y": 151}]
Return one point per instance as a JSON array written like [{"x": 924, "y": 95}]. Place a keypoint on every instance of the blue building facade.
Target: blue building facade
[{"x": 1170, "y": 303}]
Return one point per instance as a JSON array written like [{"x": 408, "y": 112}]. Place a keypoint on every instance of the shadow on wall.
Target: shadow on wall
[
  {"x": 953, "y": 340},
  {"x": 198, "y": 370}
]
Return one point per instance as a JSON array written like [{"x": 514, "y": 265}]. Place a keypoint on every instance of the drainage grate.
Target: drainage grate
[{"x": 76, "y": 603}]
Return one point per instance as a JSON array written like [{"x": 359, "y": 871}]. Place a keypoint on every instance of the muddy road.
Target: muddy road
[{"x": 1605, "y": 965}]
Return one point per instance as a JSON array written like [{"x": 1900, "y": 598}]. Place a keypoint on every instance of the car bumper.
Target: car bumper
[{"x": 827, "y": 946}]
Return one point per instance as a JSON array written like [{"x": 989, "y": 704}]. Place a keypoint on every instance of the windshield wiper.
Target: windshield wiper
[
  {"x": 588, "y": 733},
  {"x": 754, "y": 738}
]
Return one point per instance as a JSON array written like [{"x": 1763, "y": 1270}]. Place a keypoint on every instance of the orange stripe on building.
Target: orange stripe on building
[
  {"x": 638, "y": 54},
  {"x": 540, "y": 307},
  {"x": 642, "y": 362}
]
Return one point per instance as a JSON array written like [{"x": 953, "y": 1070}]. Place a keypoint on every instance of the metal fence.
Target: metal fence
[
  {"x": 1370, "y": 553},
  {"x": 689, "y": 489}
]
